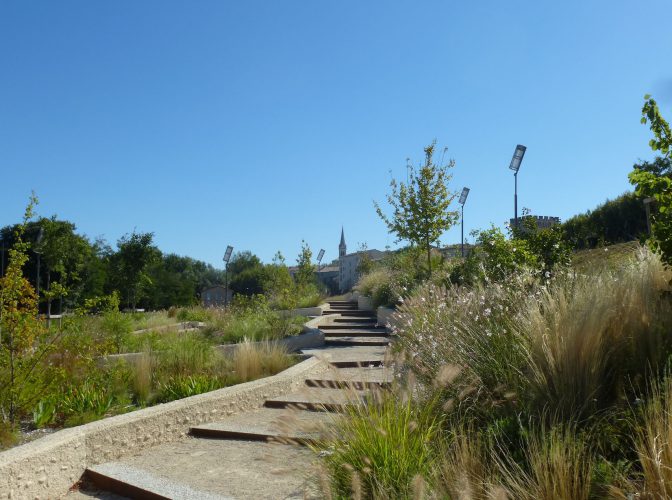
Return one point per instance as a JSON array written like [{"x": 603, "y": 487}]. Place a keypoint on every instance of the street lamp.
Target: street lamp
[
  {"x": 462, "y": 201},
  {"x": 515, "y": 166},
  {"x": 319, "y": 259},
  {"x": 38, "y": 252},
  {"x": 227, "y": 257}
]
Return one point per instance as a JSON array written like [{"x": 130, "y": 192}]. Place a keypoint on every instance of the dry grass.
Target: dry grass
[
  {"x": 142, "y": 377},
  {"x": 560, "y": 468},
  {"x": 588, "y": 335},
  {"x": 654, "y": 443},
  {"x": 252, "y": 360}
]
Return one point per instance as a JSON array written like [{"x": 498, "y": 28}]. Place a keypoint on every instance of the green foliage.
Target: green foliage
[
  {"x": 619, "y": 220},
  {"x": 305, "y": 270},
  {"x": 24, "y": 342},
  {"x": 657, "y": 184},
  {"x": 181, "y": 386},
  {"x": 129, "y": 266},
  {"x": 420, "y": 206},
  {"x": 380, "y": 448}
]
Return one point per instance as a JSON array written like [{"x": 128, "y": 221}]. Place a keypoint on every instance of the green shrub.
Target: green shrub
[
  {"x": 195, "y": 313},
  {"x": 179, "y": 387},
  {"x": 117, "y": 327},
  {"x": 381, "y": 447}
]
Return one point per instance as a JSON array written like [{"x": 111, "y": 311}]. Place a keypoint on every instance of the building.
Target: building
[
  {"x": 328, "y": 276},
  {"x": 215, "y": 296},
  {"x": 348, "y": 264},
  {"x": 455, "y": 251},
  {"x": 540, "y": 221}
]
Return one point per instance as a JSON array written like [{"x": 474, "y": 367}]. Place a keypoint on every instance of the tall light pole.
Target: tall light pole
[
  {"x": 515, "y": 166},
  {"x": 462, "y": 200},
  {"x": 227, "y": 257},
  {"x": 319, "y": 259}
]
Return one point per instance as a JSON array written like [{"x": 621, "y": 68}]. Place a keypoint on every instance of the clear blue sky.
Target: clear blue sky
[{"x": 259, "y": 124}]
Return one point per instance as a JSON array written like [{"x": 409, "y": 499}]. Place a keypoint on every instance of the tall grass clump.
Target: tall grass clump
[
  {"x": 590, "y": 337},
  {"x": 382, "y": 449},
  {"x": 253, "y": 360},
  {"x": 653, "y": 443},
  {"x": 558, "y": 467}
]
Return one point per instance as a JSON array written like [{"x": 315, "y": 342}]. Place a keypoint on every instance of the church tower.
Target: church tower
[{"x": 342, "y": 249}]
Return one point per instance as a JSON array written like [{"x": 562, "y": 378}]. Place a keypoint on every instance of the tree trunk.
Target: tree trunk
[{"x": 429, "y": 259}]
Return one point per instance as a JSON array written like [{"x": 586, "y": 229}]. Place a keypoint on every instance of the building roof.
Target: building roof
[{"x": 328, "y": 269}]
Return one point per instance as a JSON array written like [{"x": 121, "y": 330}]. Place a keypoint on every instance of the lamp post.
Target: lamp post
[
  {"x": 462, "y": 200},
  {"x": 515, "y": 166},
  {"x": 38, "y": 252},
  {"x": 319, "y": 259},
  {"x": 227, "y": 257}
]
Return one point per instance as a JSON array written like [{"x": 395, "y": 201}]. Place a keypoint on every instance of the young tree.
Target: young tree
[
  {"x": 421, "y": 205},
  {"x": 657, "y": 185},
  {"x": 23, "y": 341},
  {"x": 305, "y": 274}
]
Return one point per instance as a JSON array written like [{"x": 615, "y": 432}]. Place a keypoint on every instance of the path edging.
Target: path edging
[{"x": 48, "y": 467}]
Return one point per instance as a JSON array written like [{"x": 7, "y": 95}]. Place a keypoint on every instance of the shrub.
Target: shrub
[
  {"x": 559, "y": 467},
  {"x": 117, "y": 326},
  {"x": 251, "y": 361},
  {"x": 195, "y": 313},
  {"x": 381, "y": 447},
  {"x": 181, "y": 386},
  {"x": 653, "y": 443},
  {"x": 590, "y": 336}
]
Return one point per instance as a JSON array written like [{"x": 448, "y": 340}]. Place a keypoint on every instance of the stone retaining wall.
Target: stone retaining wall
[{"x": 48, "y": 467}]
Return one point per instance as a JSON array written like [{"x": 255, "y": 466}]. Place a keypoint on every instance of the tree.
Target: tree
[
  {"x": 305, "y": 272},
  {"x": 135, "y": 253},
  {"x": 247, "y": 274},
  {"x": 24, "y": 342},
  {"x": 657, "y": 185},
  {"x": 421, "y": 205}
]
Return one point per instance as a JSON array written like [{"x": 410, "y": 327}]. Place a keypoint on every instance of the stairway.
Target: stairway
[{"x": 258, "y": 454}]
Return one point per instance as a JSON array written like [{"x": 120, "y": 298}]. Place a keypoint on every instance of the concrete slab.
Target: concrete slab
[
  {"x": 359, "y": 378},
  {"x": 215, "y": 469},
  {"x": 356, "y": 341},
  {"x": 269, "y": 424},
  {"x": 318, "y": 399}
]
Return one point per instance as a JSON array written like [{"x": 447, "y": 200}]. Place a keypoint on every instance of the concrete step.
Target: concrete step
[
  {"x": 267, "y": 424},
  {"x": 342, "y": 302},
  {"x": 353, "y": 324},
  {"x": 356, "y": 378},
  {"x": 357, "y": 341},
  {"x": 350, "y": 357},
  {"x": 353, "y": 332},
  {"x": 349, "y": 313},
  {"x": 318, "y": 399},
  {"x": 355, "y": 319},
  {"x": 209, "y": 469}
]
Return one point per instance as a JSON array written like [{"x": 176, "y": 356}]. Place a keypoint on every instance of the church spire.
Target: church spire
[{"x": 342, "y": 248}]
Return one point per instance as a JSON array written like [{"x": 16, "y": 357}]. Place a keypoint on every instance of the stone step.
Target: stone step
[
  {"x": 355, "y": 319},
  {"x": 342, "y": 302},
  {"x": 337, "y": 326},
  {"x": 357, "y": 341},
  {"x": 350, "y": 357},
  {"x": 356, "y": 378},
  {"x": 267, "y": 424},
  {"x": 352, "y": 332},
  {"x": 318, "y": 399},
  {"x": 354, "y": 313},
  {"x": 209, "y": 469}
]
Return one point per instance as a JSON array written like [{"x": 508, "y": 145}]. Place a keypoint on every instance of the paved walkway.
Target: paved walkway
[{"x": 259, "y": 454}]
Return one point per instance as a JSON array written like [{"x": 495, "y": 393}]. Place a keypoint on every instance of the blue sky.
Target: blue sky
[{"x": 259, "y": 124}]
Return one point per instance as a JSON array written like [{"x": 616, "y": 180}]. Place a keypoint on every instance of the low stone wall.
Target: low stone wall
[
  {"x": 385, "y": 317},
  {"x": 306, "y": 311},
  {"x": 48, "y": 467},
  {"x": 365, "y": 303}
]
